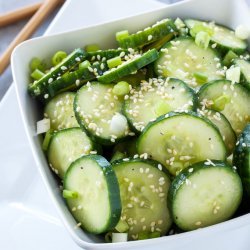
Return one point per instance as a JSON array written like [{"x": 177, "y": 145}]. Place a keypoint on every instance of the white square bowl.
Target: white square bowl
[{"x": 227, "y": 12}]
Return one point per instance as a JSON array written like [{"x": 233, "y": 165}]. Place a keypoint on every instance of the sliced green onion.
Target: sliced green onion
[
  {"x": 37, "y": 74},
  {"x": 117, "y": 156},
  {"x": 229, "y": 57},
  {"x": 122, "y": 226},
  {"x": 202, "y": 39},
  {"x": 42, "y": 126},
  {"x": 68, "y": 194},
  {"x": 58, "y": 57},
  {"x": 220, "y": 102},
  {"x": 84, "y": 64},
  {"x": 113, "y": 62},
  {"x": 200, "y": 77},
  {"x": 46, "y": 139},
  {"x": 119, "y": 237},
  {"x": 121, "y": 34},
  {"x": 92, "y": 47},
  {"x": 179, "y": 23},
  {"x": 233, "y": 74},
  {"x": 121, "y": 88},
  {"x": 37, "y": 63},
  {"x": 201, "y": 27},
  {"x": 162, "y": 108}
]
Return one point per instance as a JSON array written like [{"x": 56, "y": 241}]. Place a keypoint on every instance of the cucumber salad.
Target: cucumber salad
[{"x": 151, "y": 138}]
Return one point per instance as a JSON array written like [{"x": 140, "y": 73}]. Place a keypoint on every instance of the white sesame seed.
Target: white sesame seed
[
  {"x": 63, "y": 68},
  {"x": 50, "y": 80},
  {"x": 150, "y": 37}
]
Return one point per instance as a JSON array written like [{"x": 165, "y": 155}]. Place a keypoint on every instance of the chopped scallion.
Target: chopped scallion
[
  {"x": 68, "y": 194},
  {"x": 202, "y": 39},
  {"x": 121, "y": 88},
  {"x": 119, "y": 237},
  {"x": 122, "y": 34},
  {"x": 233, "y": 74},
  {"x": 220, "y": 102},
  {"x": 37, "y": 74},
  {"x": 92, "y": 47},
  {"x": 122, "y": 226},
  {"x": 200, "y": 77},
  {"x": 46, "y": 140},
  {"x": 37, "y": 63},
  {"x": 84, "y": 64},
  {"x": 58, "y": 57},
  {"x": 114, "y": 62},
  {"x": 201, "y": 27},
  {"x": 229, "y": 57}
]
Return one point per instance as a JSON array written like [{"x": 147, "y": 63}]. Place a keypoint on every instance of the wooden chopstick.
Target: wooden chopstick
[
  {"x": 19, "y": 14},
  {"x": 47, "y": 7}
]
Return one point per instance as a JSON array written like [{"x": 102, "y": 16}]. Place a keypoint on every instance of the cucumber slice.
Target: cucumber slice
[
  {"x": 98, "y": 206},
  {"x": 177, "y": 140},
  {"x": 66, "y": 146},
  {"x": 149, "y": 35},
  {"x": 39, "y": 88},
  {"x": 205, "y": 194},
  {"x": 224, "y": 126},
  {"x": 143, "y": 189},
  {"x": 98, "y": 110},
  {"x": 104, "y": 55},
  {"x": 181, "y": 58},
  {"x": 75, "y": 79},
  {"x": 223, "y": 37},
  {"x": 128, "y": 67},
  {"x": 60, "y": 111},
  {"x": 241, "y": 157},
  {"x": 232, "y": 100},
  {"x": 156, "y": 97},
  {"x": 245, "y": 71}
]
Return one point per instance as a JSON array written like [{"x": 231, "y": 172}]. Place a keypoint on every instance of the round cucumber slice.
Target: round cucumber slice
[
  {"x": 177, "y": 140},
  {"x": 66, "y": 146},
  {"x": 143, "y": 188},
  {"x": 232, "y": 100},
  {"x": 97, "y": 205},
  {"x": 156, "y": 97},
  {"x": 98, "y": 111},
  {"x": 223, "y": 37},
  {"x": 241, "y": 157},
  {"x": 60, "y": 111},
  {"x": 205, "y": 194},
  {"x": 181, "y": 58}
]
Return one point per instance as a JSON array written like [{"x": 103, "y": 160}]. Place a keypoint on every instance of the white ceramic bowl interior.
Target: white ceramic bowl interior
[{"x": 227, "y": 12}]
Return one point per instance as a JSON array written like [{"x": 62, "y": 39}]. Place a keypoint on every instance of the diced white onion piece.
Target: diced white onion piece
[
  {"x": 118, "y": 123},
  {"x": 119, "y": 237},
  {"x": 242, "y": 32},
  {"x": 233, "y": 74},
  {"x": 42, "y": 126}
]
